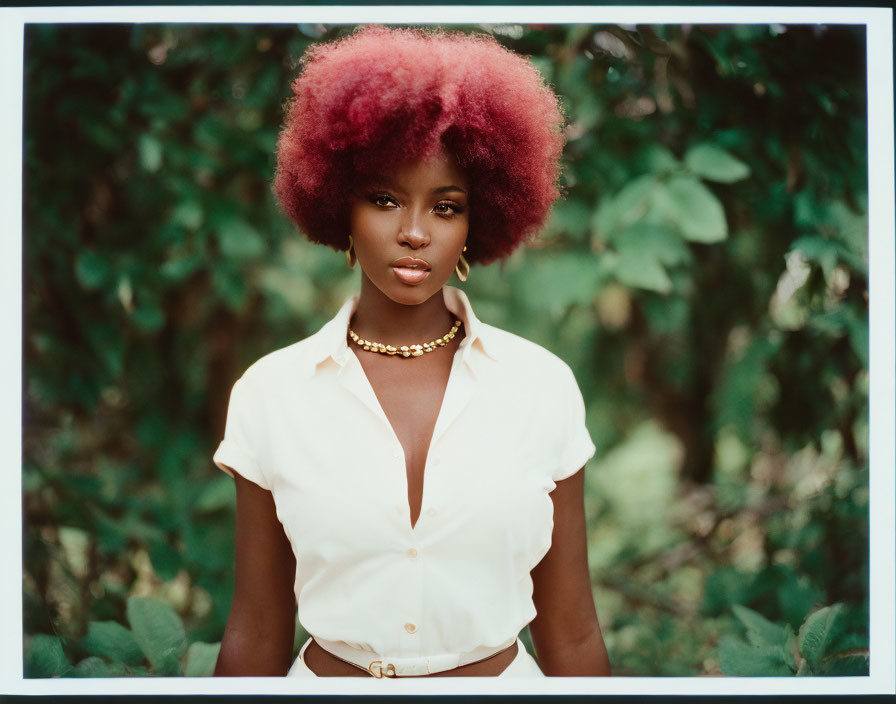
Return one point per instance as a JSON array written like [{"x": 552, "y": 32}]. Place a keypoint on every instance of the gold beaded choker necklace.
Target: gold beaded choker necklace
[{"x": 407, "y": 350}]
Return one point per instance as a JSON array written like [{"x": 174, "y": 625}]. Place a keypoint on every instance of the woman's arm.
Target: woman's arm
[
  {"x": 565, "y": 631},
  {"x": 258, "y": 638}
]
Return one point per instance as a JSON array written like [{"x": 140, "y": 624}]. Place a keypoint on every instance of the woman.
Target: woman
[{"x": 409, "y": 476}]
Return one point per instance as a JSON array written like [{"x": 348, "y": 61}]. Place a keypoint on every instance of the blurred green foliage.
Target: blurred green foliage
[{"x": 705, "y": 276}]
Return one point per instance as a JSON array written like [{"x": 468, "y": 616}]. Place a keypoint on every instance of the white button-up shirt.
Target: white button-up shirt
[{"x": 305, "y": 424}]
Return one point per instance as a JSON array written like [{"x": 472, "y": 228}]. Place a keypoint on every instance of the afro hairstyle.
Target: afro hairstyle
[{"x": 382, "y": 95}]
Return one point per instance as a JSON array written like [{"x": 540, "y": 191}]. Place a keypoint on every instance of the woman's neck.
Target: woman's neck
[{"x": 381, "y": 319}]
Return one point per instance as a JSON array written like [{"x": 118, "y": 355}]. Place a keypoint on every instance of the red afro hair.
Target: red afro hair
[{"x": 386, "y": 96}]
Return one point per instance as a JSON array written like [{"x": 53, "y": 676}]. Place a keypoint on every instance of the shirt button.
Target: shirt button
[
  {"x": 436, "y": 461},
  {"x": 410, "y": 627},
  {"x": 431, "y": 512},
  {"x": 412, "y": 553},
  {"x": 396, "y": 452}
]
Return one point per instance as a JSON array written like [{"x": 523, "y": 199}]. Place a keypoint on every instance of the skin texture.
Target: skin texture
[
  {"x": 421, "y": 210},
  {"x": 260, "y": 629},
  {"x": 565, "y": 631}
]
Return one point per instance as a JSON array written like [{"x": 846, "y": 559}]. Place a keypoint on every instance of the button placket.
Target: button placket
[{"x": 413, "y": 591}]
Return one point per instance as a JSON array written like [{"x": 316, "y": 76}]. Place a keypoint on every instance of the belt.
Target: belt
[{"x": 382, "y": 666}]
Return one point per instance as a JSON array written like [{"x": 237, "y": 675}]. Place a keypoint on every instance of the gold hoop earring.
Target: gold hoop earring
[
  {"x": 348, "y": 254},
  {"x": 462, "y": 275}
]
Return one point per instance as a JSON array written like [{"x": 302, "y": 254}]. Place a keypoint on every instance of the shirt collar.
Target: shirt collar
[{"x": 331, "y": 342}]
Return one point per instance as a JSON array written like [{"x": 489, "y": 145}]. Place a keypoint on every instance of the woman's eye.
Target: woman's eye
[
  {"x": 447, "y": 208},
  {"x": 383, "y": 200}
]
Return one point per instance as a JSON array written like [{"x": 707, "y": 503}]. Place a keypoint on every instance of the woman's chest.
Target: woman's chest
[
  {"x": 410, "y": 394},
  {"x": 344, "y": 483}
]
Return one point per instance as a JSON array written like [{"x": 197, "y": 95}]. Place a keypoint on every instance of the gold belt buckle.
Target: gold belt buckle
[{"x": 377, "y": 670}]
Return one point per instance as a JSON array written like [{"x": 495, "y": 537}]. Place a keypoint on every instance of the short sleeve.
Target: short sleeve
[
  {"x": 576, "y": 447},
  {"x": 238, "y": 450}
]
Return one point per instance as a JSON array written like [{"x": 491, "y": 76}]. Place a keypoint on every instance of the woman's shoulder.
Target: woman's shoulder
[
  {"x": 300, "y": 359},
  {"x": 287, "y": 364},
  {"x": 523, "y": 356}
]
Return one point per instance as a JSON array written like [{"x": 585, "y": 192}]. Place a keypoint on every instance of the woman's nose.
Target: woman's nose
[{"x": 413, "y": 233}]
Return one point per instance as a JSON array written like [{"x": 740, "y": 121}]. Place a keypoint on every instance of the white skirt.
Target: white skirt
[{"x": 523, "y": 665}]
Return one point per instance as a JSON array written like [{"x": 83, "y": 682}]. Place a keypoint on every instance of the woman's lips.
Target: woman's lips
[{"x": 410, "y": 275}]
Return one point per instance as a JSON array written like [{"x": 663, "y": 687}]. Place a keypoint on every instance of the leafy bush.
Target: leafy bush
[
  {"x": 155, "y": 644},
  {"x": 820, "y": 648}
]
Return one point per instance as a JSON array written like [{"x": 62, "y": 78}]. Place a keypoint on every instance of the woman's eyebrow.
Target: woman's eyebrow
[
  {"x": 391, "y": 186},
  {"x": 381, "y": 183}
]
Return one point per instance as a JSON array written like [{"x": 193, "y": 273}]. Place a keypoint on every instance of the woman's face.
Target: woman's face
[{"x": 409, "y": 225}]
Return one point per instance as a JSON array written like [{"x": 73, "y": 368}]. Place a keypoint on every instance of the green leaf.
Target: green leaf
[
  {"x": 759, "y": 629},
  {"x": 846, "y": 664},
  {"x": 220, "y": 493},
  {"x": 92, "y": 269},
  {"x": 796, "y": 598},
  {"x": 45, "y": 657},
  {"x": 97, "y": 667},
  {"x": 551, "y": 283},
  {"x": 851, "y": 229},
  {"x": 853, "y": 640},
  {"x": 818, "y": 630},
  {"x": 180, "y": 268},
  {"x": 588, "y": 111},
  {"x": 113, "y": 641},
  {"x": 857, "y": 327},
  {"x": 790, "y": 647},
  {"x": 739, "y": 659},
  {"x": 239, "y": 240},
  {"x": 725, "y": 587},
  {"x": 658, "y": 241},
  {"x": 626, "y": 207},
  {"x": 742, "y": 390},
  {"x": 714, "y": 163},
  {"x": 150, "y": 150},
  {"x": 839, "y": 224},
  {"x": 188, "y": 214},
  {"x": 639, "y": 269},
  {"x": 230, "y": 287},
  {"x": 631, "y": 201},
  {"x": 201, "y": 659},
  {"x": 822, "y": 250},
  {"x": 806, "y": 212},
  {"x": 148, "y": 318},
  {"x": 693, "y": 208},
  {"x": 655, "y": 159},
  {"x": 165, "y": 559},
  {"x": 159, "y": 632},
  {"x": 570, "y": 217}
]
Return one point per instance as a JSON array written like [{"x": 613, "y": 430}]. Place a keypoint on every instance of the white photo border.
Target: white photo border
[{"x": 878, "y": 23}]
